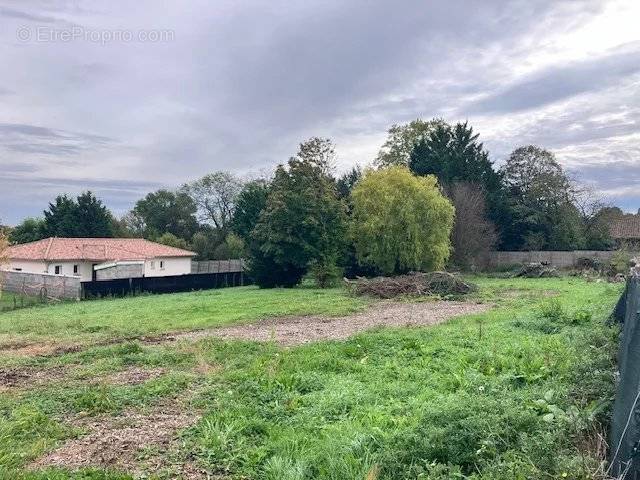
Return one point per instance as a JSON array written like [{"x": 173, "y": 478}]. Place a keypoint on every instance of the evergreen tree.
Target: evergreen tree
[{"x": 302, "y": 225}]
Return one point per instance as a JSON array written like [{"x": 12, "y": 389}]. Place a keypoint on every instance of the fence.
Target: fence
[
  {"x": 555, "y": 258},
  {"x": 217, "y": 266},
  {"x": 41, "y": 285},
  {"x": 169, "y": 284},
  {"x": 625, "y": 424}
]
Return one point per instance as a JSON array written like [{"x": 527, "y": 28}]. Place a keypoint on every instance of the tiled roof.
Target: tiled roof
[
  {"x": 627, "y": 226},
  {"x": 101, "y": 249}
]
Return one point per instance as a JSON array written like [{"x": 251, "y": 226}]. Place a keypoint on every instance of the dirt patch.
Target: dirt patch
[
  {"x": 300, "y": 330},
  {"x": 134, "y": 376},
  {"x": 27, "y": 377},
  {"x": 120, "y": 443},
  {"x": 39, "y": 349}
]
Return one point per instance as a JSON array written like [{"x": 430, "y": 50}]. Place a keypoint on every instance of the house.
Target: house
[
  {"x": 625, "y": 231},
  {"x": 99, "y": 258}
]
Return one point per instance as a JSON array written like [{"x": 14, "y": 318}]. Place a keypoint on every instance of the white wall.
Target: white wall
[
  {"x": 171, "y": 266},
  {"x": 28, "y": 266},
  {"x": 66, "y": 268}
]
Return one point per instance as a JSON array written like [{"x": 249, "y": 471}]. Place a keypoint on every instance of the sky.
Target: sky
[{"x": 123, "y": 97}]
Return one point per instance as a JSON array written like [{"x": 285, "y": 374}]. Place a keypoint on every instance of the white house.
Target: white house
[{"x": 89, "y": 257}]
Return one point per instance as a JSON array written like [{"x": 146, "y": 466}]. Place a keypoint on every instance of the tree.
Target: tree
[
  {"x": 473, "y": 235},
  {"x": 346, "y": 182},
  {"x": 250, "y": 202},
  {"x": 166, "y": 211},
  {"x": 30, "y": 230},
  {"x": 402, "y": 139},
  {"x": 597, "y": 217},
  {"x": 542, "y": 202},
  {"x": 302, "y": 225},
  {"x": 401, "y": 222},
  {"x": 83, "y": 217},
  {"x": 455, "y": 155},
  {"x": 319, "y": 152},
  {"x": 215, "y": 197},
  {"x": 172, "y": 241}
]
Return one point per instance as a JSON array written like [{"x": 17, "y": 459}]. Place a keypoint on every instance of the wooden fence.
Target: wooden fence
[{"x": 218, "y": 266}]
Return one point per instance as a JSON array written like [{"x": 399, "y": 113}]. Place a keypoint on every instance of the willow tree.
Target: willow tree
[{"x": 401, "y": 222}]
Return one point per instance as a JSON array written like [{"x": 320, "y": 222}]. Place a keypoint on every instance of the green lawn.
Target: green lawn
[
  {"x": 519, "y": 392},
  {"x": 153, "y": 314}
]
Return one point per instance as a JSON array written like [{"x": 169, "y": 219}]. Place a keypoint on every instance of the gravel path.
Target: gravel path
[{"x": 300, "y": 330}]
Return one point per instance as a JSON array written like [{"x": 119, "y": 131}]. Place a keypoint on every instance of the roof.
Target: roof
[
  {"x": 627, "y": 226},
  {"x": 95, "y": 249}
]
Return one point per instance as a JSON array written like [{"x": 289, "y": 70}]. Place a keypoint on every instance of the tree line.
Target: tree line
[{"x": 433, "y": 196}]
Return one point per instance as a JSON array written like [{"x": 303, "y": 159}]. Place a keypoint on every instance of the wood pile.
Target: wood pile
[
  {"x": 536, "y": 270},
  {"x": 413, "y": 284}
]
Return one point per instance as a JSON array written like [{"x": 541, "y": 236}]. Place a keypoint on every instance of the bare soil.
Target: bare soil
[
  {"x": 291, "y": 331},
  {"x": 27, "y": 377},
  {"x": 120, "y": 443},
  {"x": 134, "y": 376}
]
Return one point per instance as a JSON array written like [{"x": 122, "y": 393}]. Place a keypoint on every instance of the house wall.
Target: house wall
[
  {"x": 171, "y": 266},
  {"x": 66, "y": 268}
]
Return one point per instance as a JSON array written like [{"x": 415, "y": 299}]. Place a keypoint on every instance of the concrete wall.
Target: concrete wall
[
  {"x": 217, "y": 266},
  {"x": 120, "y": 270},
  {"x": 56, "y": 286},
  {"x": 556, "y": 259},
  {"x": 162, "y": 267}
]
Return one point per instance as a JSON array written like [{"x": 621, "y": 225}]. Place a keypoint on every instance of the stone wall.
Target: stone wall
[
  {"x": 36, "y": 284},
  {"x": 556, "y": 259}
]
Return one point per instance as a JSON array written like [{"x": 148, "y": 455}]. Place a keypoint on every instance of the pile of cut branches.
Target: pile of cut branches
[
  {"x": 536, "y": 270},
  {"x": 413, "y": 284}
]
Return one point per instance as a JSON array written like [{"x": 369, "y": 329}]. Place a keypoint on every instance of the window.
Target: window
[
  {"x": 75, "y": 269},
  {"x": 161, "y": 265},
  {"x": 57, "y": 269},
  {"x": 153, "y": 265},
  {"x": 18, "y": 269}
]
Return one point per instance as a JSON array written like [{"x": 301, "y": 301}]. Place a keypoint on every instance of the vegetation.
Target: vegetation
[
  {"x": 303, "y": 223},
  {"x": 400, "y": 222},
  {"x": 158, "y": 314},
  {"x": 522, "y": 391}
]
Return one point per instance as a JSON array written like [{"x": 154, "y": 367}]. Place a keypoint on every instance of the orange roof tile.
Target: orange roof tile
[{"x": 101, "y": 249}]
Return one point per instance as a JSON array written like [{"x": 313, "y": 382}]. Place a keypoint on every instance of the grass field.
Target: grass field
[{"x": 519, "y": 392}]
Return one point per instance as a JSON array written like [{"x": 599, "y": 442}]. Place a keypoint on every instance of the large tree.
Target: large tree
[
  {"x": 83, "y": 217},
  {"x": 215, "y": 196},
  {"x": 402, "y": 139},
  {"x": 542, "y": 201},
  {"x": 401, "y": 222},
  {"x": 29, "y": 230},
  {"x": 473, "y": 235},
  {"x": 165, "y": 211},
  {"x": 455, "y": 155},
  {"x": 301, "y": 226},
  {"x": 250, "y": 202}
]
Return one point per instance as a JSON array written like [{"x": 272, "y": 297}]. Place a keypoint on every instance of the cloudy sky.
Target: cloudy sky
[{"x": 124, "y": 97}]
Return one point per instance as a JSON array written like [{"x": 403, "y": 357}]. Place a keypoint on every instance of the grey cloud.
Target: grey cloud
[
  {"x": 42, "y": 140},
  {"x": 22, "y": 15},
  {"x": 561, "y": 82}
]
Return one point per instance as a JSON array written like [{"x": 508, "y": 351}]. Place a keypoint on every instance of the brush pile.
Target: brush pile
[
  {"x": 536, "y": 270},
  {"x": 414, "y": 284}
]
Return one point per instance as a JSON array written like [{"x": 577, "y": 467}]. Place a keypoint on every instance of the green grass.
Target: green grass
[
  {"x": 154, "y": 314},
  {"x": 518, "y": 392}
]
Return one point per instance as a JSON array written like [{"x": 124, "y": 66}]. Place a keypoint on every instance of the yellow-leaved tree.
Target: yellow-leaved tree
[{"x": 401, "y": 222}]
